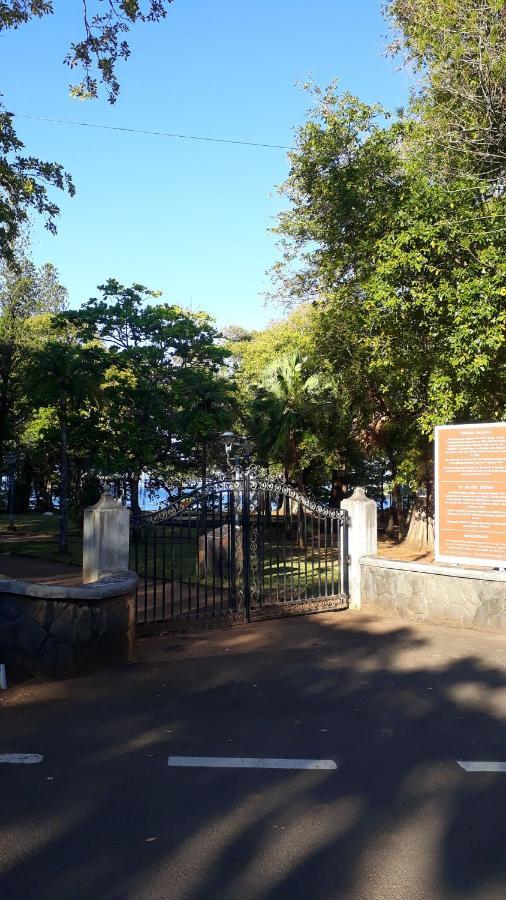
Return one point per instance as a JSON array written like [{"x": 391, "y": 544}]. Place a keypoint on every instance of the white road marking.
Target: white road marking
[
  {"x": 473, "y": 766},
  {"x": 24, "y": 759},
  {"x": 246, "y": 762}
]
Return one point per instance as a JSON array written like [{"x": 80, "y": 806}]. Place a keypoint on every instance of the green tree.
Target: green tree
[
  {"x": 252, "y": 352},
  {"x": 458, "y": 48},
  {"x": 165, "y": 393},
  {"x": 26, "y": 293},
  {"x": 65, "y": 375},
  {"x": 409, "y": 281},
  {"x": 204, "y": 403},
  {"x": 283, "y": 412},
  {"x": 325, "y": 446}
]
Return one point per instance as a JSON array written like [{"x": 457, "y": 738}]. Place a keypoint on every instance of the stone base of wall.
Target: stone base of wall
[
  {"x": 57, "y": 632},
  {"x": 435, "y": 593}
]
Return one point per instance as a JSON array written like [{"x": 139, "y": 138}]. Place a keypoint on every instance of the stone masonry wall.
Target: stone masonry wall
[
  {"x": 61, "y": 632},
  {"x": 435, "y": 593}
]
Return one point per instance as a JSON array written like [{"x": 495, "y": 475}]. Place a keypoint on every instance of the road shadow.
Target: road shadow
[{"x": 399, "y": 819}]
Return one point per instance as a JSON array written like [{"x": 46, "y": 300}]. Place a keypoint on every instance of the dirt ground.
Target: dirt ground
[{"x": 391, "y": 549}]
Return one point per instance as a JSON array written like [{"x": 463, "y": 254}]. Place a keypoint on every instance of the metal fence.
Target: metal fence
[{"x": 239, "y": 549}]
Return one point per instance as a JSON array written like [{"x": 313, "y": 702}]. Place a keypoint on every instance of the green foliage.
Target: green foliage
[
  {"x": 290, "y": 402},
  {"x": 253, "y": 352},
  {"x": 292, "y": 415},
  {"x": 105, "y": 24},
  {"x": 28, "y": 296},
  {"x": 65, "y": 374},
  {"x": 125, "y": 385},
  {"x": 408, "y": 280},
  {"x": 281, "y": 408},
  {"x": 458, "y": 48},
  {"x": 165, "y": 394}
]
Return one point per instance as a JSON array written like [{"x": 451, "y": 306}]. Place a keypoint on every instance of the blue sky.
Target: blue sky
[{"x": 191, "y": 219}]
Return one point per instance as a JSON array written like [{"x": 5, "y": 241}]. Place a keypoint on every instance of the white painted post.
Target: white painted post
[
  {"x": 106, "y": 538},
  {"x": 362, "y": 537}
]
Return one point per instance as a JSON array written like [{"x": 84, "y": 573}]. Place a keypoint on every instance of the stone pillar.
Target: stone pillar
[
  {"x": 106, "y": 539},
  {"x": 362, "y": 537}
]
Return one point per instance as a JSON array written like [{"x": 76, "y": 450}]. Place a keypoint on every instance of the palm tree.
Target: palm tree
[{"x": 283, "y": 412}]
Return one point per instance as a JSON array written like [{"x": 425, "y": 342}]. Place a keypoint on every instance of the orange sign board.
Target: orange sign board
[{"x": 470, "y": 514}]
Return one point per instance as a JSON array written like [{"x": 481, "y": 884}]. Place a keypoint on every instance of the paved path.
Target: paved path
[
  {"x": 394, "y": 705},
  {"x": 43, "y": 571}
]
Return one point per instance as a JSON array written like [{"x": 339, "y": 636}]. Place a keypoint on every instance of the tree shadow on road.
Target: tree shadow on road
[{"x": 399, "y": 819}]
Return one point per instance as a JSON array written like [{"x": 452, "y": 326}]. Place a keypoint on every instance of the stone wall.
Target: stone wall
[
  {"x": 56, "y": 632},
  {"x": 435, "y": 593}
]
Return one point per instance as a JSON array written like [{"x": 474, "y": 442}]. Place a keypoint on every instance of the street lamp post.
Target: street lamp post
[
  {"x": 11, "y": 460},
  {"x": 238, "y": 460},
  {"x": 242, "y": 453}
]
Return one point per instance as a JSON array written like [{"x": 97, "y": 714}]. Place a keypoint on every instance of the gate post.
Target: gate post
[
  {"x": 246, "y": 561},
  {"x": 362, "y": 537},
  {"x": 106, "y": 539}
]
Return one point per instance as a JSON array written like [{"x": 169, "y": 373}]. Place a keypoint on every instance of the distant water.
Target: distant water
[
  {"x": 149, "y": 499},
  {"x": 158, "y": 498}
]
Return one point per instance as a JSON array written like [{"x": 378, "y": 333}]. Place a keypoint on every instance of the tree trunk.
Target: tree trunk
[
  {"x": 203, "y": 507},
  {"x": 6, "y": 362},
  {"x": 420, "y": 536},
  {"x": 396, "y": 519},
  {"x": 335, "y": 491},
  {"x": 133, "y": 482},
  {"x": 64, "y": 481}
]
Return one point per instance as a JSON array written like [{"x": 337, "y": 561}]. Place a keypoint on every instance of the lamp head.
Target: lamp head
[{"x": 228, "y": 437}]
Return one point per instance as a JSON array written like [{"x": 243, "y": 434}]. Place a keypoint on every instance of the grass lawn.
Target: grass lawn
[
  {"x": 37, "y": 536},
  {"x": 284, "y": 569}
]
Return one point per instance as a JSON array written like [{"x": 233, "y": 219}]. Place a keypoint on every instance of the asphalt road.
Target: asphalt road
[{"x": 395, "y": 705}]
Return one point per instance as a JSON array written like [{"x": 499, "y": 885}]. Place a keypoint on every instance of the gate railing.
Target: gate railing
[{"x": 239, "y": 548}]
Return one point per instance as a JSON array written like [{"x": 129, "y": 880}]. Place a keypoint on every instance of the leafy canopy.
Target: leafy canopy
[
  {"x": 458, "y": 48},
  {"x": 408, "y": 278}
]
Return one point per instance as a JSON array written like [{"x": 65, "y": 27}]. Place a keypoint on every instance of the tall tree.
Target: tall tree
[
  {"x": 284, "y": 408},
  {"x": 458, "y": 48},
  {"x": 163, "y": 386},
  {"x": 25, "y": 292},
  {"x": 409, "y": 280},
  {"x": 281, "y": 369},
  {"x": 65, "y": 375}
]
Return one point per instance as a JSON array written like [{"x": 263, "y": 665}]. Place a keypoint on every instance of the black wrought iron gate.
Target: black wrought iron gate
[{"x": 239, "y": 549}]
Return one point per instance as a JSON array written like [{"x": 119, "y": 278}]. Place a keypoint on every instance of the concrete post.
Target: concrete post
[
  {"x": 106, "y": 539},
  {"x": 362, "y": 537}
]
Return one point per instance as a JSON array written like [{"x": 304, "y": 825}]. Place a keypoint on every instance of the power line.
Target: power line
[{"x": 169, "y": 134}]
